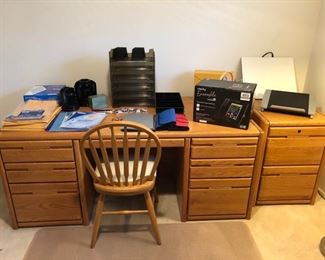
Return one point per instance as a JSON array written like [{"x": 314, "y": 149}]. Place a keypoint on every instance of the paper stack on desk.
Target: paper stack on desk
[
  {"x": 31, "y": 115},
  {"x": 76, "y": 121}
]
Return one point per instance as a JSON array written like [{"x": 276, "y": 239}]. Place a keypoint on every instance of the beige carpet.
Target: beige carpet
[{"x": 188, "y": 241}]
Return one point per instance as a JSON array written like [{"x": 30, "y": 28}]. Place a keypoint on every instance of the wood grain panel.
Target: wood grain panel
[
  {"x": 298, "y": 187},
  {"x": 41, "y": 172},
  {"x": 46, "y": 155},
  {"x": 86, "y": 186},
  {"x": 223, "y": 162},
  {"x": 220, "y": 183},
  {"x": 290, "y": 170},
  {"x": 225, "y": 141},
  {"x": 37, "y": 151},
  {"x": 297, "y": 131},
  {"x": 223, "y": 152},
  {"x": 218, "y": 201},
  {"x": 50, "y": 223},
  {"x": 221, "y": 172},
  {"x": 221, "y": 168},
  {"x": 35, "y": 144},
  {"x": 220, "y": 216},
  {"x": 165, "y": 142},
  {"x": 47, "y": 207},
  {"x": 6, "y": 192},
  {"x": 293, "y": 151},
  {"x": 44, "y": 188}
]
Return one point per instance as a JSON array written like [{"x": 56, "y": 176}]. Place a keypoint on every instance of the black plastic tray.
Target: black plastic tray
[{"x": 166, "y": 100}]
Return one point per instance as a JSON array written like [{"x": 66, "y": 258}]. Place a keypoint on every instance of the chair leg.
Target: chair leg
[
  {"x": 154, "y": 195},
  {"x": 98, "y": 217},
  {"x": 152, "y": 216}
]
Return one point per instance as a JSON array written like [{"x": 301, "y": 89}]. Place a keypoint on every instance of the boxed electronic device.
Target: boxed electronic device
[{"x": 220, "y": 102}]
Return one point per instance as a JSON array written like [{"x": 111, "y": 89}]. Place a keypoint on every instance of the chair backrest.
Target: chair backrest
[{"x": 108, "y": 149}]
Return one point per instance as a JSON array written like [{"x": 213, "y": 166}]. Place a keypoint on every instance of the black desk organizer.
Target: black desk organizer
[
  {"x": 132, "y": 77},
  {"x": 166, "y": 100}
]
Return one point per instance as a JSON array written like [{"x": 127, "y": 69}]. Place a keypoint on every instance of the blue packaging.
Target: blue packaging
[{"x": 44, "y": 92}]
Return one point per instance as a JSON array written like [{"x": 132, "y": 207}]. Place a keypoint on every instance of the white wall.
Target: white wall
[
  {"x": 315, "y": 81},
  {"x": 44, "y": 42}
]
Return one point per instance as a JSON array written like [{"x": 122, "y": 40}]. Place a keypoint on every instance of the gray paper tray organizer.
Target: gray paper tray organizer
[{"x": 133, "y": 81}]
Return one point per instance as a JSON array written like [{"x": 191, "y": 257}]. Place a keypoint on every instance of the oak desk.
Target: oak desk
[{"x": 46, "y": 183}]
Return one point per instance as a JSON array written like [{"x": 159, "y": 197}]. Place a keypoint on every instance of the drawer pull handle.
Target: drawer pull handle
[
  {"x": 239, "y": 187},
  {"x": 64, "y": 192},
  {"x": 18, "y": 170},
  {"x": 63, "y": 169},
  {"x": 299, "y": 131},
  {"x": 23, "y": 193}
]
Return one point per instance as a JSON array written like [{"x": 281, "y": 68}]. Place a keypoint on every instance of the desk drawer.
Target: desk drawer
[
  {"x": 40, "y": 172},
  {"x": 293, "y": 151},
  {"x": 287, "y": 187},
  {"x": 223, "y": 147},
  {"x": 218, "y": 201},
  {"x": 44, "y": 188},
  {"x": 221, "y": 168},
  {"x": 230, "y": 183},
  {"x": 37, "y": 151},
  {"x": 46, "y": 202}
]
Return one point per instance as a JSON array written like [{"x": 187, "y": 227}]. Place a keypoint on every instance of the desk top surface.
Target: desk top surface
[{"x": 196, "y": 130}]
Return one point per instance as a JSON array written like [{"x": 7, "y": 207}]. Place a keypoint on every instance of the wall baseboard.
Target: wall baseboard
[{"x": 321, "y": 193}]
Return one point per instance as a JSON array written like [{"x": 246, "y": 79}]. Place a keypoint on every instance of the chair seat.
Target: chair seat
[
  {"x": 125, "y": 190},
  {"x": 150, "y": 164}
]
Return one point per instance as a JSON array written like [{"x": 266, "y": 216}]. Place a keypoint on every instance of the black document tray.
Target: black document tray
[{"x": 166, "y": 100}]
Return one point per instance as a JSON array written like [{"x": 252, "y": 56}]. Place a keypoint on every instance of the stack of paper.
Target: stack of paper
[
  {"x": 19, "y": 121},
  {"x": 76, "y": 121}
]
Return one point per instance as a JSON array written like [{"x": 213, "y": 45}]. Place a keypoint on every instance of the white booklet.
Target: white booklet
[{"x": 82, "y": 120}]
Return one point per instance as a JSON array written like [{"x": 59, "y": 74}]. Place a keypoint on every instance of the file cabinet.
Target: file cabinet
[
  {"x": 42, "y": 182},
  {"x": 220, "y": 178},
  {"x": 293, "y": 157}
]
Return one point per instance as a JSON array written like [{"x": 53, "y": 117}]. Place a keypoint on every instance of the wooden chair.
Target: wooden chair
[{"x": 122, "y": 163}]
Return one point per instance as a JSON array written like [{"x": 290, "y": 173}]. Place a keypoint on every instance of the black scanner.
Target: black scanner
[{"x": 288, "y": 102}]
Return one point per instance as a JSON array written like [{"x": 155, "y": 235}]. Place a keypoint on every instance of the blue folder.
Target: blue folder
[{"x": 84, "y": 124}]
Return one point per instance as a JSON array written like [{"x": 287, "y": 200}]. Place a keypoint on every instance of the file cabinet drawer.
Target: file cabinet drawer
[
  {"x": 223, "y": 147},
  {"x": 220, "y": 201},
  {"x": 290, "y": 170},
  {"x": 287, "y": 187},
  {"x": 37, "y": 151},
  {"x": 46, "y": 207},
  {"x": 297, "y": 131},
  {"x": 46, "y": 202},
  {"x": 293, "y": 151},
  {"x": 221, "y": 168},
  {"x": 40, "y": 172}
]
